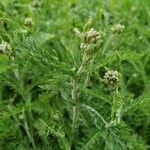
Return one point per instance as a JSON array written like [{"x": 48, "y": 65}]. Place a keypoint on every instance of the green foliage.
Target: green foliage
[{"x": 53, "y": 95}]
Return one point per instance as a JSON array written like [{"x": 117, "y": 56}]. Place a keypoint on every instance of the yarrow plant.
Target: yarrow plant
[{"x": 71, "y": 77}]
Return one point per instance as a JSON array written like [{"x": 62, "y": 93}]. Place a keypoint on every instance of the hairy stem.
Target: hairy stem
[
  {"x": 26, "y": 127},
  {"x": 88, "y": 73},
  {"x": 74, "y": 89},
  {"x": 116, "y": 107},
  {"x": 87, "y": 79},
  {"x": 75, "y": 97},
  {"x": 82, "y": 64}
]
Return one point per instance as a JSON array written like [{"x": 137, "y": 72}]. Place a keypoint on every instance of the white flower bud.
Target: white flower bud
[
  {"x": 5, "y": 48},
  {"x": 28, "y": 21},
  {"x": 118, "y": 28},
  {"x": 111, "y": 78},
  {"x": 133, "y": 9},
  {"x": 36, "y": 4},
  {"x": 92, "y": 36},
  {"x": 21, "y": 117}
]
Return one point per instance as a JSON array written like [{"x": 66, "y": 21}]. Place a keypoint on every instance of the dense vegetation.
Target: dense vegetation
[{"x": 75, "y": 75}]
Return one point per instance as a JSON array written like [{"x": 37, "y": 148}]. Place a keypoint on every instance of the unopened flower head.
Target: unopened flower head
[
  {"x": 36, "y": 4},
  {"x": 14, "y": 13},
  {"x": 21, "y": 117},
  {"x": 5, "y": 48},
  {"x": 133, "y": 9},
  {"x": 92, "y": 36},
  {"x": 111, "y": 78},
  {"x": 118, "y": 28},
  {"x": 28, "y": 21},
  {"x": 56, "y": 117}
]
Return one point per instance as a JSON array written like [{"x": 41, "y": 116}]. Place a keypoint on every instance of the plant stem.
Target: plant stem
[
  {"x": 82, "y": 64},
  {"x": 27, "y": 99},
  {"x": 116, "y": 107},
  {"x": 29, "y": 134},
  {"x": 75, "y": 97},
  {"x": 74, "y": 89},
  {"x": 88, "y": 73},
  {"x": 87, "y": 79},
  {"x": 1, "y": 89}
]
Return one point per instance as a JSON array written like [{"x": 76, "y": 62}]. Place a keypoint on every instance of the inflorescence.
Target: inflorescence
[
  {"x": 5, "y": 48},
  {"x": 111, "y": 78},
  {"x": 91, "y": 38},
  {"x": 118, "y": 28}
]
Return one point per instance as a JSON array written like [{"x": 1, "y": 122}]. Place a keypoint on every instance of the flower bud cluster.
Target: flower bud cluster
[
  {"x": 36, "y": 4},
  {"x": 28, "y": 21},
  {"x": 118, "y": 28},
  {"x": 90, "y": 38},
  {"x": 111, "y": 78},
  {"x": 5, "y": 48}
]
